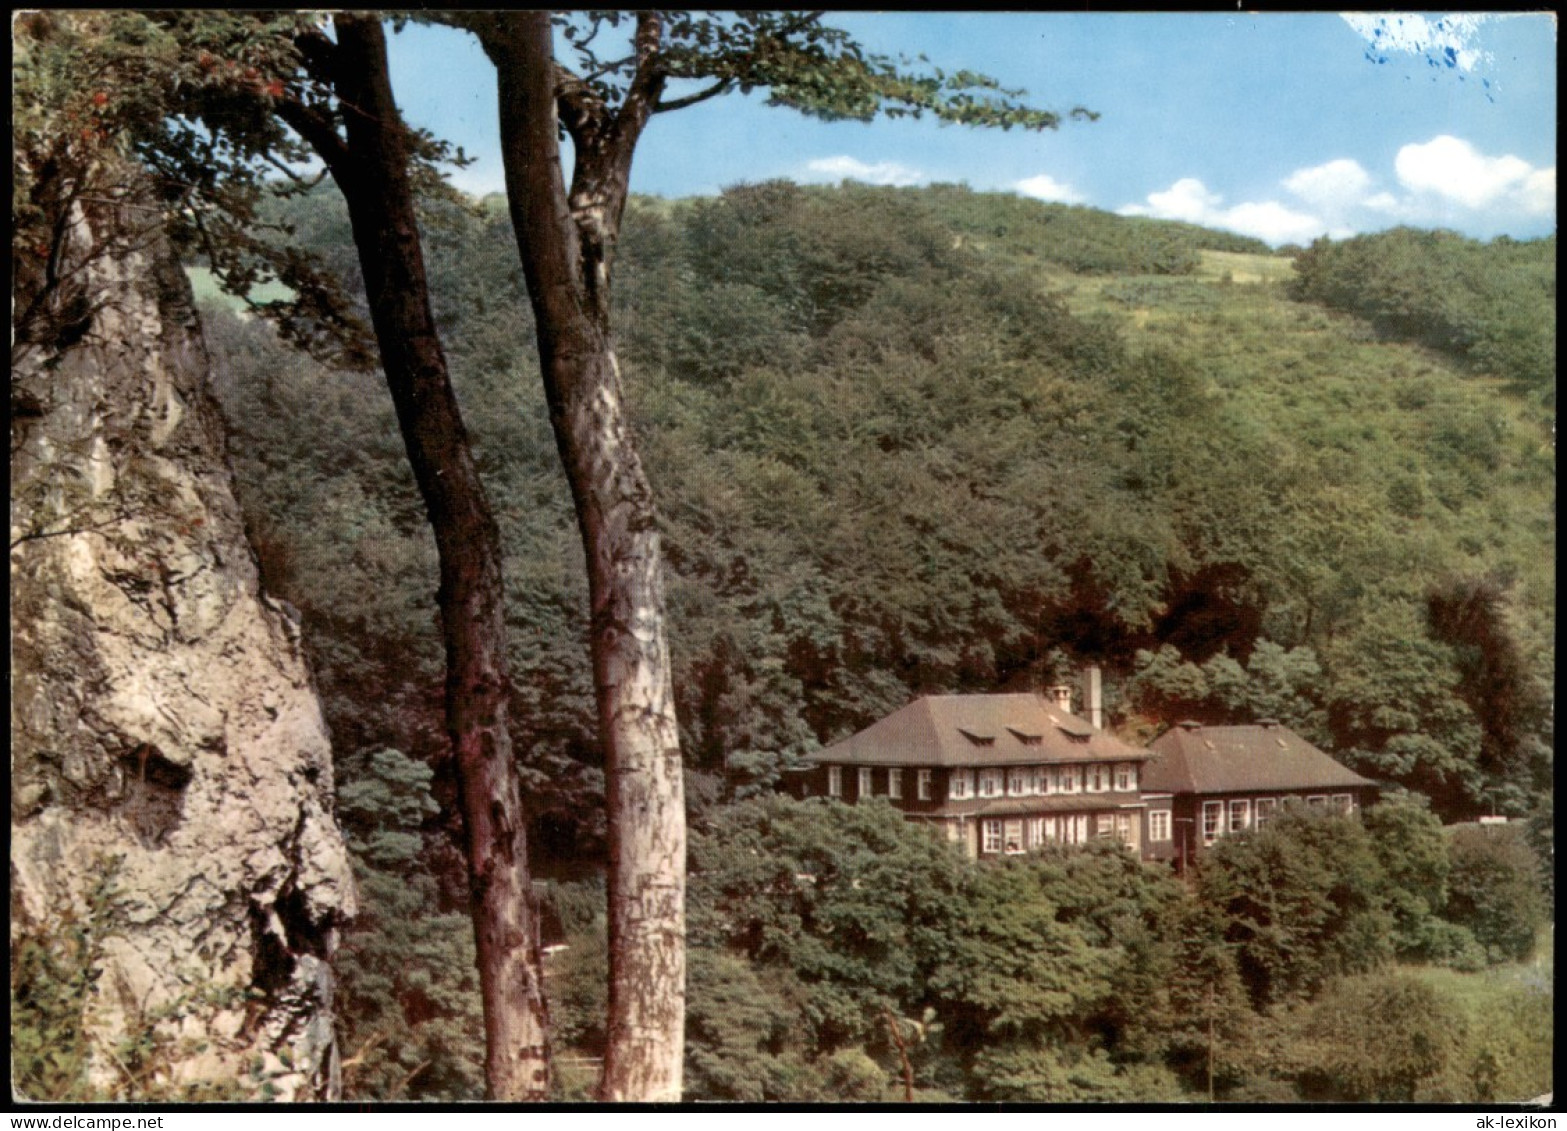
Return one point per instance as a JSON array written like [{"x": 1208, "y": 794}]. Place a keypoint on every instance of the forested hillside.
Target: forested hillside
[
  {"x": 900, "y": 445},
  {"x": 911, "y": 441},
  {"x": 1492, "y": 305}
]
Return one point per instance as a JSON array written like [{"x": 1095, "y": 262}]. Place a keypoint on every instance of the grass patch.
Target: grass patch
[
  {"x": 1509, "y": 1028},
  {"x": 1240, "y": 267},
  {"x": 1481, "y": 989},
  {"x": 206, "y": 289}
]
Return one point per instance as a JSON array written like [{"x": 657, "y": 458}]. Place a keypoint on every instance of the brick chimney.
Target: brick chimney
[{"x": 1061, "y": 695}]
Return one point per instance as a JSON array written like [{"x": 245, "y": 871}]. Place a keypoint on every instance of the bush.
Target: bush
[
  {"x": 1303, "y": 900},
  {"x": 1376, "y": 1039},
  {"x": 53, "y": 972},
  {"x": 1494, "y": 890},
  {"x": 1508, "y": 1058},
  {"x": 1409, "y": 842},
  {"x": 1448, "y": 944}
]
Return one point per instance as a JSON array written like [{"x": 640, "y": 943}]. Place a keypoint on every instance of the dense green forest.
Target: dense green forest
[
  {"x": 1491, "y": 305},
  {"x": 909, "y": 441}
]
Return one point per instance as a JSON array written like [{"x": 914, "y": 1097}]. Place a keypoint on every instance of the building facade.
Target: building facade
[
  {"x": 998, "y": 774},
  {"x": 1002, "y": 775},
  {"x": 1208, "y": 782}
]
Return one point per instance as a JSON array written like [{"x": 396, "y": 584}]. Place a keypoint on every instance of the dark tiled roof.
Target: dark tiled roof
[
  {"x": 978, "y": 730},
  {"x": 1203, "y": 759}
]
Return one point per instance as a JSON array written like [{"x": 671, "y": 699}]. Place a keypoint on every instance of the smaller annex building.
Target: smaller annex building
[
  {"x": 999, "y": 774},
  {"x": 1210, "y": 781}
]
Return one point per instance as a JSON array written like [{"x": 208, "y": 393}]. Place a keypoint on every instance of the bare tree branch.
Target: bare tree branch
[
  {"x": 38, "y": 535},
  {"x": 319, "y": 131},
  {"x": 722, "y": 86}
]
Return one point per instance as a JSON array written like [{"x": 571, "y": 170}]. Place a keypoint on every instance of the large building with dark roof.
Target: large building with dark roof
[
  {"x": 1002, "y": 775},
  {"x": 1218, "y": 780},
  {"x": 998, "y": 774}
]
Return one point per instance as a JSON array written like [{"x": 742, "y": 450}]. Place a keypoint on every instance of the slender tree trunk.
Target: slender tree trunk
[
  {"x": 565, "y": 248},
  {"x": 374, "y": 180}
]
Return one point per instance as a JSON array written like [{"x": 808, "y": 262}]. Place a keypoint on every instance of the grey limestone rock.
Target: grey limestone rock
[{"x": 162, "y": 711}]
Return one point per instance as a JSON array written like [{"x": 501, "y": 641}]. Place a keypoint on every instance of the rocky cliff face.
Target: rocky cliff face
[{"x": 165, "y": 729}]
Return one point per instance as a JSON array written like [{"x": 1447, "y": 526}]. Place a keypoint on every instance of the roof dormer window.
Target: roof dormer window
[
  {"x": 1025, "y": 738},
  {"x": 978, "y": 739},
  {"x": 1075, "y": 729}
]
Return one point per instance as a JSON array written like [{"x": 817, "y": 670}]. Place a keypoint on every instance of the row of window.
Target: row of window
[
  {"x": 922, "y": 782},
  {"x": 1016, "y": 836},
  {"x": 1043, "y": 781},
  {"x": 1023, "y": 781},
  {"x": 1220, "y": 818}
]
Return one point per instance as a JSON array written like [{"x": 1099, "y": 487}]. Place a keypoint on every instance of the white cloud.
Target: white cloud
[
  {"x": 1333, "y": 187},
  {"x": 853, "y": 169},
  {"x": 1446, "y": 41},
  {"x": 1538, "y": 194},
  {"x": 1276, "y": 224},
  {"x": 1187, "y": 199},
  {"x": 1046, "y": 187},
  {"x": 1451, "y": 168},
  {"x": 1443, "y": 182},
  {"x": 1190, "y": 200}
]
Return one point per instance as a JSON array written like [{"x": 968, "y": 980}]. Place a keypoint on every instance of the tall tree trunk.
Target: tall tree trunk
[
  {"x": 565, "y": 248},
  {"x": 373, "y": 175}
]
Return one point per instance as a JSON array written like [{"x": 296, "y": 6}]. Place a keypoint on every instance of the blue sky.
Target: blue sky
[{"x": 1280, "y": 126}]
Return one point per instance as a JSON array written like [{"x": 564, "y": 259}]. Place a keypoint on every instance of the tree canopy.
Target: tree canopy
[{"x": 1090, "y": 490}]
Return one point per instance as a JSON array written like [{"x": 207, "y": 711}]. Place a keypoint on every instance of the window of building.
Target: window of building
[
  {"x": 1014, "y": 838},
  {"x": 894, "y": 782},
  {"x": 1036, "y": 831},
  {"x": 1050, "y": 779},
  {"x": 1126, "y": 777},
  {"x": 1159, "y": 824},
  {"x": 865, "y": 789},
  {"x": 834, "y": 781},
  {"x": 1019, "y": 783},
  {"x": 922, "y": 785},
  {"x": 990, "y": 783},
  {"x": 1071, "y": 779},
  {"x": 1212, "y": 820},
  {"x": 1123, "y": 828},
  {"x": 960, "y": 785},
  {"x": 990, "y": 836},
  {"x": 1098, "y": 779},
  {"x": 1265, "y": 810},
  {"x": 1317, "y": 802},
  {"x": 1104, "y": 825},
  {"x": 1240, "y": 815},
  {"x": 1343, "y": 803}
]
